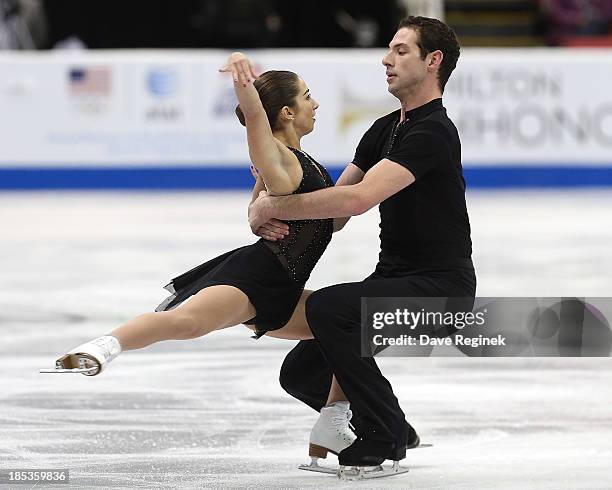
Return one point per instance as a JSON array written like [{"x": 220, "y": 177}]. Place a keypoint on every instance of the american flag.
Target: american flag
[{"x": 89, "y": 81}]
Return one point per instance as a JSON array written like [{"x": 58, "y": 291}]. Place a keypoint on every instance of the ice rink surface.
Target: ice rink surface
[{"x": 210, "y": 413}]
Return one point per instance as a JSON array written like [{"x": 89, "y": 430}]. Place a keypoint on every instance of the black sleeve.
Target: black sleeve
[
  {"x": 422, "y": 149},
  {"x": 365, "y": 157}
]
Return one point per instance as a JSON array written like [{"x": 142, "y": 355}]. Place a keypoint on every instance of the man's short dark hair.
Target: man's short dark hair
[{"x": 433, "y": 35}]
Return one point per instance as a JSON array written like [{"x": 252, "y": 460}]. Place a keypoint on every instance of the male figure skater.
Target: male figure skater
[{"x": 409, "y": 162}]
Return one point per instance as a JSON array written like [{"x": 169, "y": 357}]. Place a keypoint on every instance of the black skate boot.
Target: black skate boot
[
  {"x": 366, "y": 452},
  {"x": 363, "y": 460},
  {"x": 370, "y": 452}
]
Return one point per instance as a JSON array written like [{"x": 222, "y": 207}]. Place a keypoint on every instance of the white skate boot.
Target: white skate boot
[
  {"x": 89, "y": 358},
  {"x": 331, "y": 433}
]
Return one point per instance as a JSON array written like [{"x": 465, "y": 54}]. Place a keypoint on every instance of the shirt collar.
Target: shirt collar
[{"x": 422, "y": 111}]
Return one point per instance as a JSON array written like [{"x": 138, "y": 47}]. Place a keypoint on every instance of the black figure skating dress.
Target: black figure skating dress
[{"x": 271, "y": 274}]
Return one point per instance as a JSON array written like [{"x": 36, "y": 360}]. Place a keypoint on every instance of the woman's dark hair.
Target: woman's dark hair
[
  {"x": 434, "y": 35},
  {"x": 276, "y": 89}
]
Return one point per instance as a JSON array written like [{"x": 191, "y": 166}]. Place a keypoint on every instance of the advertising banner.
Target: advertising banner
[{"x": 167, "y": 109}]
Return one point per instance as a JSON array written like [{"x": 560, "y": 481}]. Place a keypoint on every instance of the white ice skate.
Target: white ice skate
[
  {"x": 331, "y": 433},
  {"x": 90, "y": 358}
]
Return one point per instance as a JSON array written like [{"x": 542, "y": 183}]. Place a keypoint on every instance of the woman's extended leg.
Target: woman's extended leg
[{"x": 212, "y": 308}]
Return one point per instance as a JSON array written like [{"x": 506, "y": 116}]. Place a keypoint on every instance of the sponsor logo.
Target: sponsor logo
[
  {"x": 163, "y": 83},
  {"x": 89, "y": 81},
  {"x": 90, "y": 88},
  {"x": 355, "y": 110},
  {"x": 163, "y": 114}
]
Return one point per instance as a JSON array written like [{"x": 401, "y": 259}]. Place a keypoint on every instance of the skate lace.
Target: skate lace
[{"x": 341, "y": 419}]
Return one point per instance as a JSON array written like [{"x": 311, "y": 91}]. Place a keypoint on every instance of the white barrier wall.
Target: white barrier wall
[{"x": 165, "y": 108}]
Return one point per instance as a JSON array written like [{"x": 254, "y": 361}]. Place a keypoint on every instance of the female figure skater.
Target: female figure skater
[{"x": 261, "y": 285}]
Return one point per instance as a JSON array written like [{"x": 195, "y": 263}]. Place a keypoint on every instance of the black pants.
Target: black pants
[{"x": 334, "y": 316}]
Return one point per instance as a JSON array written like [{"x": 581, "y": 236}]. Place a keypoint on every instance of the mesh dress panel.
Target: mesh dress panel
[{"x": 300, "y": 250}]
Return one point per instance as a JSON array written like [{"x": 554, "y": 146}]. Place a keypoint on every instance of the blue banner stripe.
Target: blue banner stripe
[
  {"x": 185, "y": 178},
  {"x": 538, "y": 176}
]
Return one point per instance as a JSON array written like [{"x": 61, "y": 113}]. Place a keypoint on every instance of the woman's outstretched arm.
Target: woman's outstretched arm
[{"x": 265, "y": 151}]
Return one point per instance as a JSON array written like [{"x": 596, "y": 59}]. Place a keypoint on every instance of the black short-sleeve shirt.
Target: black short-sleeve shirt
[{"x": 425, "y": 224}]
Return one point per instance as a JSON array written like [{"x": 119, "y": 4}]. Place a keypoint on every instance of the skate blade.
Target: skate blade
[
  {"x": 368, "y": 472},
  {"x": 422, "y": 446},
  {"x": 314, "y": 466},
  {"x": 68, "y": 365},
  {"x": 89, "y": 371}
]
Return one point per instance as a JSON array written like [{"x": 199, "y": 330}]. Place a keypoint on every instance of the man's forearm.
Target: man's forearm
[{"x": 333, "y": 202}]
